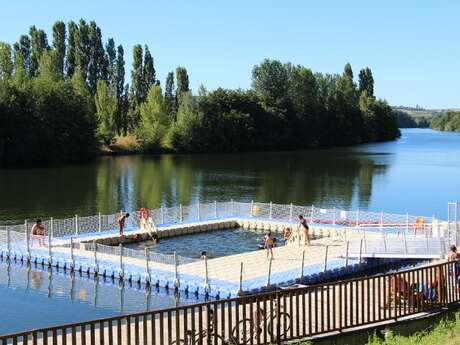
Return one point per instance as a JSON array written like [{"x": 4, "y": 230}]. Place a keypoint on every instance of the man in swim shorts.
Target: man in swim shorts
[
  {"x": 269, "y": 244},
  {"x": 121, "y": 222}
]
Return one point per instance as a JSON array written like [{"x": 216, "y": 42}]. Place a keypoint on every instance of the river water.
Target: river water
[{"x": 419, "y": 173}]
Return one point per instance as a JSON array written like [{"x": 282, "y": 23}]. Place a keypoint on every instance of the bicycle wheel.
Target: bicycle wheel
[
  {"x": 285, "y": 324},
  {"x": 241, "y": 333},
  {"x": 221, "y": 340}
]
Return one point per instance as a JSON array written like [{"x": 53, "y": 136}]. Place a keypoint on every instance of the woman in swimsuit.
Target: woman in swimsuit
[
  {"x": 269, "y": 244},
  {"x": 306, "y": 229}
]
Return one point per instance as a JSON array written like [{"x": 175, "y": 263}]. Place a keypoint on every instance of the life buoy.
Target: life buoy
[{"x": 144, "y": 213}]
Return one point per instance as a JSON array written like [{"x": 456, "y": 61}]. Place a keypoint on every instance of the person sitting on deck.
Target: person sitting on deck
[
  {"x": 286, "y": 235},
  {"x": 38, "y": 232},
  {"x": 121, "y": 222}
]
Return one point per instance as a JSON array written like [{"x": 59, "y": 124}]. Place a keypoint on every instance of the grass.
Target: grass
[
  {"x": 444, "y": 333},
  {"x": 122, "y": 145}
]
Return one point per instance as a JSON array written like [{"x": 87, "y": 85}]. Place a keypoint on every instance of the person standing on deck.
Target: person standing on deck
[
  {"x": 121, "y": 222},
  {"x": 303, "y": 224},
  {"x": 269, "y": 244}
]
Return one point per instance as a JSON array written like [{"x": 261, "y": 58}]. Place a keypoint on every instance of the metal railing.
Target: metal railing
[{"x": 272, "y": 317}]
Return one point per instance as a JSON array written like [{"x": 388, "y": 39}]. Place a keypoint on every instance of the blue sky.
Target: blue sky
[{"x": 412, "y": 47}]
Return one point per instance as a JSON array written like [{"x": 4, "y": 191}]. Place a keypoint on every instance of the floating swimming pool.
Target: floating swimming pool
[{"x": 216, "y": 243}]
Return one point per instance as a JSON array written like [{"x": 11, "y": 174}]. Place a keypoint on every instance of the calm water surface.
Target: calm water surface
[{"x": 419, "y": 173}]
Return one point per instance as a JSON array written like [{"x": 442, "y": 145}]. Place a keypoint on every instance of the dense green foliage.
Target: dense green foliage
[
  {"x": 447, "y": 122},
  {"x": 59, "y": 102},
  {"x": 407, "y": 121}
]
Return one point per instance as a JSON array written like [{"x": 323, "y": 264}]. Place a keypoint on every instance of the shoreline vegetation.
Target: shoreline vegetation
[{"x": 69, "y": 100}]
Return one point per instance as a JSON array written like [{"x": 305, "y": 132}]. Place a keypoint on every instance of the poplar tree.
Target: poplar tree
[
  {"x": 96, "y": 61},
  {"x": 366, "y": 82},
  {"x": 82, "y": 48},
  {"x": 182, "y": 81},
  {"x": 137, "y": 75},
  {"x": 106, "y": 107},
  {"x": 39, "y": 44},
  {"x": 348, "y": 71},
  {"x": 6, "y": 63},
  {"x": 72, "y": 47},
  {"x": 59, "y": 45},
  {"x": 24, "y": 48},
  {"x": 111, "y": 56},
  {"x": 149, "y": 74},
  {"x": 170, "y": 97},
  {"x": 118, "y": 82}
]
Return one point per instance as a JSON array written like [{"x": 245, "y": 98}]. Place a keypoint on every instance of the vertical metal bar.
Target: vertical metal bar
[
  {"x": 122, "y": 273},
  {"x": 50, "y": 257},
  {"x": 27, "y": 240},
  {"x": 96, "y": 266},
  {"x": 251, "y": 212},
  {"x": 271, "y": 211},
  {"x": 147, "y": 269},
  {"x": 290, "y": 212},
  {"x": 381, "y": 220},
  {"x": 407, "y": 222},
  {"x": 303, "y": 264},
  {"x": 325, "y": 260},
  {"x": 312, "y": 210},
  {"x": 199, "y": 210},
  {"x": 215, "y": 209},
  {"x": 162, "y": 215},
  {"x": 346, "y": 256},
  {"x": 180, "y": 213},
  {"x": 52, "y": 227},
  {"x": 333, "y": 216},
  {"x": 8, "y": 239},
  {"x": 240, "y": 290},
  {"x": 269, "y": 271},
  {"x": 231, "y": 207},
  {"x": 357, "y": 217},
  {"x": 99, "y": 222},
  {"x": 72, "y": 259},
  {"x": 76, "y": 225},
  {"x": 206, "y": 279},
  {"x": 176, "y": 276},
  {"x": 360, "y": 252}
]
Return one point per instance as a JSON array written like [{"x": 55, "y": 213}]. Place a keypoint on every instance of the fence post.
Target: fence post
[
  {"x": 176, "y": 277},
  {"x": 52, "y": 226},
  {"x": 206, "y": 278},
  {"x": 269, "y": 272},
  {"x": 303, "y": 263},
  {"x": 72, "y": 259},
  {"x": 311, "y": 213},
  {"x": 405, "y": 243},
  {"x": 333, "y": 217},
  {"x": 271, "y": 211},
  {"x": 50, "y": 257},
  {"x": 99, "y": 222},
  {"x": 199, "y": 211},
  {"x": 96, "y": 266},
  {"x": 121, "y": 273},
  {"x": 240, "y": 290},
  {"x": 147, "y": 269},
  {"x": 290, "y": 212},
  {"x": 357, "y": 217},
  {"x": 162, "y": 215},
  {"x": 365, "y": 242},
  {"x": 252, "y": 208},
  {"x": 76, "y": 225},
  {"x": 325, "y": 260},
  {"x": 231, "y": 208},
  {"x": 27, "y": 240},
  {"x": 180, "y": 213},
  {"x": 8, "y": 238},
  {"x": 215, "y": 209},
  {"x": 385, "y": 243},
  {"x": 360, "y": 252},
  {"x": 346, "y": 256}
]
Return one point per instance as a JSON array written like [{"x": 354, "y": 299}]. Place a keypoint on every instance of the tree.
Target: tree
[
  {"x": 82, "y": 53},
  {"x": 20, "y": 74},
  {"x": 119, "y": 84},
  {"x": 39, "y": 44},
  {"x": 149, "y": 70},
  {"x": 182, "y": 81},
  {"x": 106, "y": 108},
  {"x": 366, "y": 82},
  {"x": 24, "y": 48},
  {"x": 348, "y": 71},
  {"x": 137, "y": 75},
  {"x": 96, "y": 62},
  {"x": 170, "y": 97},
  {"x": 111, "y": 57},
  {"x": 59, "y": 45},
  {"x": 72, "y": 47},
  {"x": 6, "y": 62},
  {"x": 48, "y": 68},
  {"x": 153, "y": 120}
]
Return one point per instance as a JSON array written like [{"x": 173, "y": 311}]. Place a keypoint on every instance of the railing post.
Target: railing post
[
  {"x": 385, "y": 243},
  {"x": 311, "y": 213},
  {"x": 76, "y": 225},
  {"x": 271, "y": 211},
  {"x": 240, "y": 290},
  {"x": 333, "y": 217},
  {"x": 8, "y": 239},
  {"x": 176, "y": 277},
  {"x": 147, "y": 269},
  {"x": 215, "y": 209},
  {"x": 26, "y": 231},
  {"x": 99, "y": 222},
  {"x": 122, "y": 273},
  {"x": 269, "y": 272},
  {"x": 180, "y": 213},
  {"x": 357, "y": 217},
  {"x": 50, "y": 257},
  {"x": 72, "y": 258},
  {"x": 405, "y": 243},
  {"x": 96, "y": 265},
  {"x": 52, "y": 226},
  {"x": 231, "y": 208},
  {"x": 291, "y": 210},
  {"x": 251, "y": 213},
  {"x": 325, "y": 260},
  {"x": 199, "y": 210},
  {"x": 346, "y": 256},
  {"x": 303, "y": 264}
]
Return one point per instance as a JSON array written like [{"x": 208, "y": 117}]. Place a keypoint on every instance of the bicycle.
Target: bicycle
[{"x": 242, "y": 332}]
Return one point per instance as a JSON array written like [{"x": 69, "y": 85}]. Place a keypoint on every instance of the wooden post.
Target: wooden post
[
  {"x": 147, "y": 269},
  {"x": 176, "y": 277},
  {"x": 269, "y": 272},
  {"x": 240, "y": 290},
  {"x": 72, "y": 259},
  {"x": 76, "y": 225},
  {"x": 206, "y": 278},
  {"x": 303, "y": 264},
  {"x": 180, "y": 213},
  {"x": 325, "y": 260},
  {"x": 251, "y": 213},
  {"x": 96, "y": 266},
  {"x": 122, "y": 273},
  {"x": 99, "y": 222},
  {"x": 346, "y": 256},
  {"x": 215, "y": 209},
  {"x": 290, "y": 212},
  {"x": 270, "y": 214}
]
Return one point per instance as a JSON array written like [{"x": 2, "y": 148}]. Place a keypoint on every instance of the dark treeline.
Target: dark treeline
[
  {"x": 60, "y": 100},
  {"x": 407, "y": 121}
]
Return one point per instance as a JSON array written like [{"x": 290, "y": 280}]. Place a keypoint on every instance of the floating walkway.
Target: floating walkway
[{"x": 93, "y": 245}]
